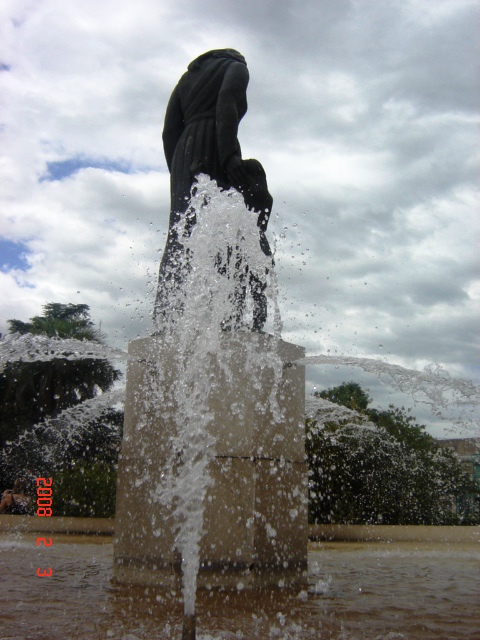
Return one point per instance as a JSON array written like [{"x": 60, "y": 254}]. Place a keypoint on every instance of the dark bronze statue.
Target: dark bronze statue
[{"x": 200, "y": 136}]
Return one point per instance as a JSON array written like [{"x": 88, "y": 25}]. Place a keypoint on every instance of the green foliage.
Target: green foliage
[
  {"x": 34, "y": 394},
  {"x": 85, "y": 490},
  {"x": 403, "y": 427},
  {"x": 350, "y": 470},
  {"x": 53, "y": 445},
  {"x": 348, "y": 394},
  {"x": 33, "y": 391},
  {"x": 59, "y": 321},
  {"x": 390, "y": 472}
]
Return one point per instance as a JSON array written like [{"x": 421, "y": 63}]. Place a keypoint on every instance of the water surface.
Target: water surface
[{"x": 357, "y": 591}]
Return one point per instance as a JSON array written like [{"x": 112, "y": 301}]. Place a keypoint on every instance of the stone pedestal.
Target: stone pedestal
[{"x": 255, "y": 522}]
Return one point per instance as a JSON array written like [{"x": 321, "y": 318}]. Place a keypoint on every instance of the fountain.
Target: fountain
[
  {"x": 212, "y": 476},
  {"x": 212, "y": 470},
  {"x": 380, "y": 589},
  {"x": 213, "y": 438}
]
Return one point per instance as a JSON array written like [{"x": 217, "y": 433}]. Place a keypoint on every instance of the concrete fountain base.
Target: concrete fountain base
[{"x": 255, "y": 520}]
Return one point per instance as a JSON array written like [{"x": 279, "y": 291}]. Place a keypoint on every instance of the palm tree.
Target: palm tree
[{"x": 60, "y": 321}]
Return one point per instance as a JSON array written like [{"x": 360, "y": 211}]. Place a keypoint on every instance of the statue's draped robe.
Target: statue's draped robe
[{"x": 200, "y": 136}]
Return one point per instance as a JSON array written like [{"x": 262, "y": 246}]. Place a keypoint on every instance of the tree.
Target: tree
[
  {"x": 33, "y": 394},
  {"x": 59, "y": 321},
  {"x": 32, "y": 391},
  {"x": 86, "y": 490},
  {"x": 354, "y": 475},
  {"x": 348, "y": 394},
  {"x": 388, "y": 470},
  {"x": 403, "y": 427}
]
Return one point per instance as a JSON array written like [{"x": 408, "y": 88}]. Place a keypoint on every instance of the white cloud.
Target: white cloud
[{"x": 362, "y": 113}]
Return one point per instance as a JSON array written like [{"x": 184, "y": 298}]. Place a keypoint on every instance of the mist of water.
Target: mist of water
[
  {"x": 224, "y": 240},
  {"x": 39, "y": 348}
]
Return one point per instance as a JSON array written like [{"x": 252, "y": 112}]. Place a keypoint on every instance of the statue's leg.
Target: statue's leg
[
  {"x": 173, "y": 270},
  {"x": 257, "y": 287}
]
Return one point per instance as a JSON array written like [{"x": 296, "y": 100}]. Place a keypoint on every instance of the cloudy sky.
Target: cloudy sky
[{"x": 364, "y": 114}]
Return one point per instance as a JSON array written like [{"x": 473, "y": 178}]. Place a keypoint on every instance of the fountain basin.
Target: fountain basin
[
  {"x": 356, "y": 591},
  {"x": 254, "y": 514},
  {"x": 316, "y": 532}
]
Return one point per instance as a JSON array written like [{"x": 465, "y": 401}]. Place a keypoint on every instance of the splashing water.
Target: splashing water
[
  {"x": 52, "y": 439},
  {"x": 323, "y": 411},
  {"x": 433, "y": 386},
  {"x": 220, "y": 254},
  {"x": 38, "y": 348},
  {"x": 216, "y": 254},
  {"x": 223, "y": 241}
]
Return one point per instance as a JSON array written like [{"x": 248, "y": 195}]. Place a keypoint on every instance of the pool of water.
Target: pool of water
[{"x": 356, "y": 591}]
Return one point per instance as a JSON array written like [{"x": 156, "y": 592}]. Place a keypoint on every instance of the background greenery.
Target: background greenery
[
  {"x": 387, "y": 470},
  {"x": 37, "y": 440}
]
